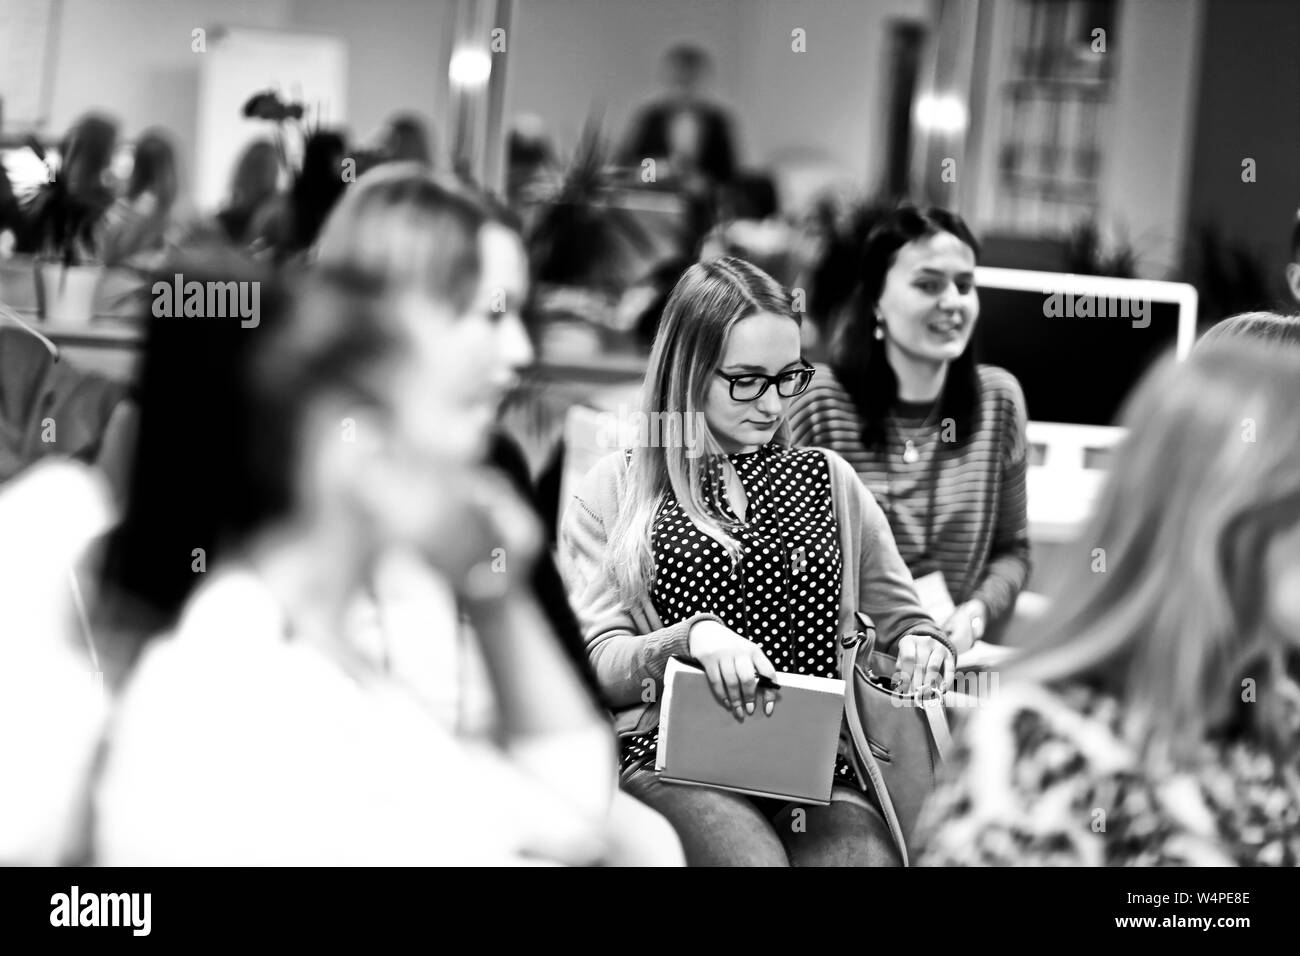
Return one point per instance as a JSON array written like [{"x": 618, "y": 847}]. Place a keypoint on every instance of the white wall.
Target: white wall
[
  {"x": 132, "y": 59},
  {"x": 397, "y": 57},
  {"x": 1149, "y": 161},
  {"x": 1149, "y": 140}
]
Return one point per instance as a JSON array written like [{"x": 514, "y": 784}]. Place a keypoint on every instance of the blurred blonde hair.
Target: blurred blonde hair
[
  {"x": 1263, "y": 326},
  {"x": 1161, "y": 603},
  {"x": 415, "y": 232},
  {"x": 708, "y": 300}
]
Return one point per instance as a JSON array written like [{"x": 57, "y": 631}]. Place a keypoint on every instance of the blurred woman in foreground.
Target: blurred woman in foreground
[
  {"x": 303, "y": 451},
  {"x": 389, "y": 224},
  {"x": 1154, "y": 723}
]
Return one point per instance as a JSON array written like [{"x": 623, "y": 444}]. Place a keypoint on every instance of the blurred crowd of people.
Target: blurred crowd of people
[{"x": 328, "y": 626}]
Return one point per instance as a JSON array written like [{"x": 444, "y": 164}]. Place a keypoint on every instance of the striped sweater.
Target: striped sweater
[{"x": 979, "y": 535}]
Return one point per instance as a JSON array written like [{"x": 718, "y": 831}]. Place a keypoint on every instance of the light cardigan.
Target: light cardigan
[{"x": 628, "y": 645}]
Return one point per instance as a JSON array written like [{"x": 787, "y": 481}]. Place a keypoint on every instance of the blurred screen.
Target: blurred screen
[{"x": 1076, "y": 371}]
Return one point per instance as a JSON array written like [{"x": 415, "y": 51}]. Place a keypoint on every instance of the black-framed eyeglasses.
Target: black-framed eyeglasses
[{"x": 752, "y": 386}]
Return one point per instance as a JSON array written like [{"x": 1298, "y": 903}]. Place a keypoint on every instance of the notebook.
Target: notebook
[{"x": 788, "y": 756}]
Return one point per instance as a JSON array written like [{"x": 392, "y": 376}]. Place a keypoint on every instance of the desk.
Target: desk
[{"x": 111, "y": 346}]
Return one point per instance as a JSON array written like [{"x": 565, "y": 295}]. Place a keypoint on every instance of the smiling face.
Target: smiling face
[
  {"x": 766, "y": 344},
  {"x": 929, "y": 304}
]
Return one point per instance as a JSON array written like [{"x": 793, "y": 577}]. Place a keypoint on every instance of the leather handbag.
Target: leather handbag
[{"x": 899, "y": 740}]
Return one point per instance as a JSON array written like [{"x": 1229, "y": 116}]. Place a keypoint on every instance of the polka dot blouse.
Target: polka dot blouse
[{"x": 784, "y": 593}]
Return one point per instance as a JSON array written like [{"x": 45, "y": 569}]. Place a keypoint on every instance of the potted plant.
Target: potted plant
[{"x": 62, "y": 220}]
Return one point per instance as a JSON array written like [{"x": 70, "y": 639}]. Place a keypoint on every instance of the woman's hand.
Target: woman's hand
[
  {"x": 484, "y": 538},
  {"x": 732, "y": 665},
  {"x": 922, "y": 662},
  {"x": 960, "y": 626}
]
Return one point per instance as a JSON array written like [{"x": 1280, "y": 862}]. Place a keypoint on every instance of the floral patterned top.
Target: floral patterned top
[{"x": 1041, "y": 778}]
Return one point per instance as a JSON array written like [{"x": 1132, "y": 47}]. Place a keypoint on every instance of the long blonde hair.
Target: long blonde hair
[
  {"x": 1160, "y": 603},
  {"x": 708, "y": 300}
]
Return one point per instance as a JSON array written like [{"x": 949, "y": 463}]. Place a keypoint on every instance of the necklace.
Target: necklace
[{"x": 912, "y": 454}]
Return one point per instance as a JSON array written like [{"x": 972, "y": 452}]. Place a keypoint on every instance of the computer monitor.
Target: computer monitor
[{"x": 1078, "y": 345}]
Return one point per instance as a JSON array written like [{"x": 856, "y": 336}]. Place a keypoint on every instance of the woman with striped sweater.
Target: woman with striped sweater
[{"x": 938, "y": 439}]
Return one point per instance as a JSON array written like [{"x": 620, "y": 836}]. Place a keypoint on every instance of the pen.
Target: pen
[{"x": 768, "y": 683}]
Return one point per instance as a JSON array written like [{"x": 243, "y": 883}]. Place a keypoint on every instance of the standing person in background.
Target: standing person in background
[
  {"x": 743, "y": 553},
  {"x": 140, "y": 222},
  {"x": 938, "y": 439},
  {"x": 1153, "y": 721},
  {"x": 688, "y": 137}
]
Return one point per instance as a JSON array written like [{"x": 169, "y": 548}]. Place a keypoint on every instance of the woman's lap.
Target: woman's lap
[{"x": 720, "y": 828}]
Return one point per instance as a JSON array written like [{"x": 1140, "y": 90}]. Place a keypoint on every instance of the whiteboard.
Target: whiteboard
[
  {"x": 240, "y": 62},
  {"x": 27, "y": 34}
]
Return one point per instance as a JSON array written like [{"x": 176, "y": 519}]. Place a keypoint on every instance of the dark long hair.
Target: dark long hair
[
  {"x": 154, "y": 169},
  {"x": 317, "y": 187},
  {"x": 221, "y": 415},
  {"x": 858, "y": 359}
]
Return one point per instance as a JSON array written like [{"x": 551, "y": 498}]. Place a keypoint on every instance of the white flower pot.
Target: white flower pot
[
  {"x": 68, "y": 292},
  {"x": 18, "y": 284}
]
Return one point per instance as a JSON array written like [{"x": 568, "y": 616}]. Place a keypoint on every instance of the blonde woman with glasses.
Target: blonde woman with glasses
[{"x": 741, "y": 552}]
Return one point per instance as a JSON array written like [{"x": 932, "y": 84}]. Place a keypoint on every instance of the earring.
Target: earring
[{"x": 880, "y": 332}]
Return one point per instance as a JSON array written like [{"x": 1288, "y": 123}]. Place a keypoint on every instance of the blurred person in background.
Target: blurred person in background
[
  {"x": 257, "y": 731},
  {"x": 937, "y": 438},
  {"x": 688, "y": 137},
  {"x": 387, "y": 224},
  {"x": 1293, "y": 267},
  {"x": 253, "y": 185},
  {"x": 532, "y": 170},
  {"x": 406, "y": 139},
  {"x": 140, "y": 222},
  {"x": 65, "y": 218},
  {"x": 290, "y": 224},
  {"x": 1153, "y": 722},
  {"x": 682, "y": 129},
  {"x": 683, "y": 548}
]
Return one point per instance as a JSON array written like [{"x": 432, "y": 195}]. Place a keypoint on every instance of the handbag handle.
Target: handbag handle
[
  {"x": 866, "y": 759},
  {"x": 853, "y": 645}
]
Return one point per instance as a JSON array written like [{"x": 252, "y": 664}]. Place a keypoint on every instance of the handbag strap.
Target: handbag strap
[
  {"x": 937, "y": 718},
  {"x": 866, "y": 759}
]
